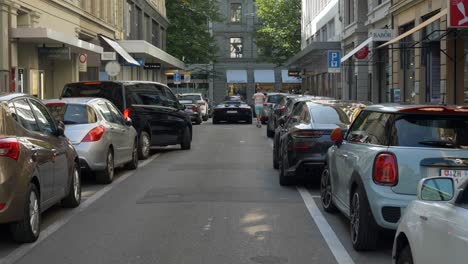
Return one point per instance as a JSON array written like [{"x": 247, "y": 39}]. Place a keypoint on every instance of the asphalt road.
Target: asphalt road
[{"x": 219, "y": 202}]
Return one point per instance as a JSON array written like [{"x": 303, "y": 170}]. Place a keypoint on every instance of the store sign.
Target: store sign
[
  {"x": 187, "y": 78},
  {"x": 294, "y": 73},
  {"x": 63, "y": 53},
  {"x": 152, "y": 66},
  {"x": 396, "y": 95},
  {"x": 109, "y": 56},
  {"x": 381, "y": 34},
  {"x": 362, "y": 53},
  {"x": 458, "y": 13},
  {"x": 334, "y": 61},
  {"x": 83, "y": 62}
]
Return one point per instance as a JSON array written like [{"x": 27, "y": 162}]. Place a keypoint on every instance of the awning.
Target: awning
[
  {"x": 121, "y": 51},
  {"x": 358, "y": 48},
  {"x": 150, "y": 52},
  {"x": 49, "y": 36},
  {"x": 415, "y": 29},
  {"x": 289, "y": 79},
  {"x": 306, "y": 56},
  {"x": 236, "y": 76},
  {"x": 264, "y": 76}
]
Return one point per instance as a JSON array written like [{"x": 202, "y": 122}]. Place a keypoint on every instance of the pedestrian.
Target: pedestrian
[{"x": 259, "y": 100}]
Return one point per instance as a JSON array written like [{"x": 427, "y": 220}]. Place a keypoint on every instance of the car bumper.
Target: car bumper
[
  {"x": 92, "y": 155},
  {"x": 13, "y": 192},
  {"x": 308, "y": 167},
  {"x": 232, "y": 117},
  {"x": 387, "y": 206}
]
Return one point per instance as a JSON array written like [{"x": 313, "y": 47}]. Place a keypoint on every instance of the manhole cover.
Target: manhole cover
[{"x": 269, "y": 260}]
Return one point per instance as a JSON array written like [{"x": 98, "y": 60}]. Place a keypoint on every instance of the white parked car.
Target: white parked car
[
  {"x": 434, "y": 228},
  {"x": 198, "y": 97}
]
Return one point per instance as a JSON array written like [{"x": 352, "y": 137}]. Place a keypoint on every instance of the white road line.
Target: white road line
[
  {"x": 21, "y": 251},
  {"x": 340, "y": 253}
]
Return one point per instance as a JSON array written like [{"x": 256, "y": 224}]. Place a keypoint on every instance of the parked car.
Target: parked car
[
  {"x": 102, "y": 137},
  {"x": 305, "y": 140},
  {"x": 193, "y": 110},
  {"x": 155, "y": 111},
  {"x": 38, "y": 166},
  {"x": 372, "y": 173},
  {"x": 276, "y": 112},
  {"x": 434, "y": 228},
  {"x": 232, "y": 111},
  {"x": 198, "y": 97},
  {"x": 271, "y": 100}
]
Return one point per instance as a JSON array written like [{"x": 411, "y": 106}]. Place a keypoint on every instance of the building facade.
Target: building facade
[{"x": 238, "y": 71}]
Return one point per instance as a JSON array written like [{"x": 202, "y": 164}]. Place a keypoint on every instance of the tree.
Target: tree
[
  {"x": 188, "y": 36},
  {"x": 279, "y": 34}
]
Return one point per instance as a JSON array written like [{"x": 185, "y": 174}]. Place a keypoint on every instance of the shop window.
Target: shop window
[
  {"x": 236, "y": 46},
  {"x": 236, "y": 12},
  {"x": 237, "y": 89},
  {"x": 407, "y": 63}
]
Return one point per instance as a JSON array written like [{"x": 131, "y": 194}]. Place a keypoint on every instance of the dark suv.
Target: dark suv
[{"x": 156, "y": 113}]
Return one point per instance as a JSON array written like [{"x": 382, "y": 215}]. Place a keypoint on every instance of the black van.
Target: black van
[{"x": 155, "y": 111}]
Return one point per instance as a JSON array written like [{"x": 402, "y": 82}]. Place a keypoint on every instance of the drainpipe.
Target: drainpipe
[{"x": 455, "y": 67}]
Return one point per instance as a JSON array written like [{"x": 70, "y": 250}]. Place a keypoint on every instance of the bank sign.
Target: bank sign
[
  {"x": 458, "y": 13},
  {"x": 381, "y": 34},
  {"x": 334, "y": 61}
]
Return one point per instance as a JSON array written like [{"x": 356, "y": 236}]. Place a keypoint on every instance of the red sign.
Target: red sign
[
  {"x": 458, "y": 13},
  {"x": 362, "y": 53}
]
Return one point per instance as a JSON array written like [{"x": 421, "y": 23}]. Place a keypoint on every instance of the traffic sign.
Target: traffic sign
[
  {"x": 177, "y": 78},
  {"x": 187, "y": 78},
  {"x": 83, "y": 59},
  {"x": 334, "y": 61},
  {"x": 458, "y": 13}
]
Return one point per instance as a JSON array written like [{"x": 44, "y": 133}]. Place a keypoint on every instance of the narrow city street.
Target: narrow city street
[{"x": 220, "y": 202}]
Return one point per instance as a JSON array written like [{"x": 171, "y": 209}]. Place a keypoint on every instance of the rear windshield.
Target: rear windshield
[
  {"x": 190, "y": 97},
  {"x": 185, "y": 102},
  {"x": 443, "y": 131},
  {"x": 145, "y": 94},
  {"x": 108, "y": 90},
  {"x": 328, "y": 115},
  {"x": 73, "y": 114},
  {"x": 274, "y": 98}
]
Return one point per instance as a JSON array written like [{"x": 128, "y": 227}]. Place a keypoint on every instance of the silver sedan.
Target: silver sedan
[{"x": 102, "y": 137}]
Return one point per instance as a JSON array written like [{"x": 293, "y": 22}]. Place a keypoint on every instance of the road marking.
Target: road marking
[
  {"x": 338, "y": 250},
  {"x": 22, "y": 250}
]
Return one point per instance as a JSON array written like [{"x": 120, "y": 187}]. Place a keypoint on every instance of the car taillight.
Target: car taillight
[
  {"x": 193, "y": 108},
  {"x": 9, "y": 147},
  {"x": 2, "y": 206},
  {"x": 126, "y": 113},
  {"x": 94, "y": 135},
  {"x": 282, "y": 109},
  {"x": 55, "y": 104},
  {"x": 308, "y": 133},
  {"x": 385, "y": 170}
]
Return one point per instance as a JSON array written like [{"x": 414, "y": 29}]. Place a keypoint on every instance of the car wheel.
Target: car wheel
[
  {"x": 186, "y": 140},
  {"x": 215, "y": 121},
  {"x": 364, "y": 230},
  {"x": 144, "y": 146},
  {"x": 205, "y": 118},
  {"x": 326, "y": 193},
  {"x": 405, "y": 256},
  {"x": 133, "y": 164},
  {"x": 73, "y": 198},
  {"x": 283, "y": 179},
  {"x": 270, "y": 133},
  {"x": 275, "y": 158},
  {"x": 107, "y": 176},
  {"x": 27, "y": 230}
]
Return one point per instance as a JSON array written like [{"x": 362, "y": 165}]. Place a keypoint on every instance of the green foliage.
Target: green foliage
[
  {"x": 188, "y": 35},
  {"x": 279, "y": 34}
]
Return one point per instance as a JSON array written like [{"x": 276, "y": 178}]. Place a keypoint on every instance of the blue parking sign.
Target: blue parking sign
[
  {"x": 334, "y": 61},
  {"x": 177, "y": 78}
]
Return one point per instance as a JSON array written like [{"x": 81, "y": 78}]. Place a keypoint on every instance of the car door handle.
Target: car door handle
[
  {"x": 422, "y": 217},
  {"x": 342, "y": 155}
]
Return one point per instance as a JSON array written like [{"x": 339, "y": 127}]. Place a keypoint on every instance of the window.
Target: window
[
  {"x": 146, "y": 94},
  {"x": 155, "y": 34},
  {"x": 117, "y": 116},
  {"x": 105, "y": 112},
  {"x": 138, "y": 24},
  {"x": 25, "y": 115},
  {"x": 349, "y": 11},
  {"x": 44, "y": 119},
  {"x": 329, "y": 115},
  {"x": 108, "y": 90},
  {"x": 236, "y": 12},
  {"x": 73, "y": 114},
  {"x": 128, "y": 18},
  {"x": 236, "y": 47},
  {"x": 369, "y": 127},
  {"x": 191, "y": 97}
]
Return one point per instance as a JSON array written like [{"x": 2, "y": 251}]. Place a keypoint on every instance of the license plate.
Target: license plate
[
  {"x": 231, "y": 112},
  {"x": 454, "y": 173}
]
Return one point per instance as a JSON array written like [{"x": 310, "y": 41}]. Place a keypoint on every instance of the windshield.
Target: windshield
[
  {"x": 108, "y": 90},
  {"x": 328, "y": 115},
  {"x": 274, "y": 98},
  {"x": 73, "y": 114},
  {"x": 190, "y": 97},
  {"x": 429, "y": 131}
]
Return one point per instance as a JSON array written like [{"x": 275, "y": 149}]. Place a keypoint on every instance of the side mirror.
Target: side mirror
[
  {"x": 60, "y": 128},
  {"x": 438, "y": 189},
  {"x": 337, "y": 136},
  {"x": 128, "y": 121}
]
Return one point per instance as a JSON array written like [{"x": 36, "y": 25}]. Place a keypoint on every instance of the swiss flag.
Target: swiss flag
[{"x": 458, "y": 14}]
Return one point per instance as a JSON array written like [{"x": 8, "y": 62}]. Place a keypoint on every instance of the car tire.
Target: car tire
[
  {"x": 186, "y": 142},
  {"x": 284, "y": 180},
  {"x": 270, "y": 133},
  {"x": 275, "y": 159},
  {"x": 73, "y": 199},
  {"x": 326, "y": 193},
  {"x": 144, "y": 145},
  {"x": 107, "y": 176},
  {"x": 27, "y": 230},
  {"x": 205, "y": 118},
  {"x": 364, "y": 229},
  {"x": 133, "y": 164},
  {"x": 405, "y": 256},
  {"x": 215, "y": 121}
]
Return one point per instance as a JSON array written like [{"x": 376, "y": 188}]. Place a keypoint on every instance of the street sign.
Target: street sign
[
  {"x": 186, "y": 78},
  {"x": 63, "y": 53},
  {"x": 108, "y": 56},
  {"x": 112, "y": 68},
  {"x": 396, "y": 95},
  {"x": 458, "y": 13},
  {"x": 334, "y": 61},
  {"x": 177, "y": 78},
  {"x": 152, "y": 66},
  {"x": 362, "y": 53},
  {"x": 83, "y": 62}
]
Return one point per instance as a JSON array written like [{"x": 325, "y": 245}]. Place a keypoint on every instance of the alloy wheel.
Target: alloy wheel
[
  {"x": 76, "y": 185},
  {"x": 355, "y": 217},
  {"x": 325, "y": 189},
  {"x": 34, "y": 213},
  {"x": 110, "y": 165},
  {"x": 145, "y": 145}
]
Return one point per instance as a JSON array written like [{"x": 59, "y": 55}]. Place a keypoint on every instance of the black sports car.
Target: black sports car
[{"x": 232, "y": 111}]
